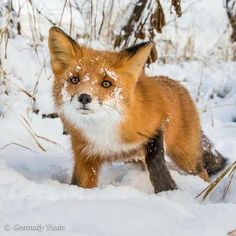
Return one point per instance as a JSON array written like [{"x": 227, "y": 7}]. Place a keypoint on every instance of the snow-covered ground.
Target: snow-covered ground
[{"x": 34, "y": 184}]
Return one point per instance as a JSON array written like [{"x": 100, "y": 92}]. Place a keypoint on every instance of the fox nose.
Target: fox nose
[{"x": 84, "y": 98}]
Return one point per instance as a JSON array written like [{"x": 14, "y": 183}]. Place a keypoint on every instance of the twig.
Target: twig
[
  {"x": 70, "y": 7},
  {"x": 62, "y": 13},
  {"x": 212, "y": 186},
  {"x": 17, "y": 144},
  {"x": 231, "y": 175},
  {"x": 26, "y": 124},
  {"x": 232, "y": 233}
]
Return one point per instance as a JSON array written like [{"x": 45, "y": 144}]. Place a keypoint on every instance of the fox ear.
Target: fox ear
[
  {"x": 63, "y": 49},
  {"x": 135, "y": 57}
]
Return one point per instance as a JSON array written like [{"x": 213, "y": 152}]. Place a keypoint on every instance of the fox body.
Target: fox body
[{"x": 111, "y": 108}]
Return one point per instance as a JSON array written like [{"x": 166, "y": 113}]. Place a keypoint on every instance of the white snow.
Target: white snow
[
  {"x": 34, "y": 184},
  {"x": 111, "y": 74},
  {"x": 86, "y": 78}
]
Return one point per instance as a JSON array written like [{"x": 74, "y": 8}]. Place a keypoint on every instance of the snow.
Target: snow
[
  {"x": 86, "y": 78},
  {"x": 35, "y": 188},
  {"x": 111, "y": 74}
]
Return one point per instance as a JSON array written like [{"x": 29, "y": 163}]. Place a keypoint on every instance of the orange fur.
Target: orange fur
[{"x": 147, "y": 104}]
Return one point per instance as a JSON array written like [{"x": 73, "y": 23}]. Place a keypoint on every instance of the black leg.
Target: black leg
[{"x": 158, "y": 171}]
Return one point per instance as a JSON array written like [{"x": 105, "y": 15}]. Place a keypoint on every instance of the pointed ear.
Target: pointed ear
[
  {"x": 63, "y": 49},
  {"x": 135, "y": 57}
]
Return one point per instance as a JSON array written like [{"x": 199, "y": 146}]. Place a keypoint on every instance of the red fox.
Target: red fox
[{"x": 111, "y": 108}]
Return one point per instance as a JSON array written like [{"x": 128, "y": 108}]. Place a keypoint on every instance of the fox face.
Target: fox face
[{"x": 93, "y": 89}]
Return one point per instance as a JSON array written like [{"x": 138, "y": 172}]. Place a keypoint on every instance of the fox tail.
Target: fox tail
[{"x": 214, "y": 161}]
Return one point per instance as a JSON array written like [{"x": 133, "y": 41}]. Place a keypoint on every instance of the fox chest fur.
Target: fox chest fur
[{"x": 102, "y": 134}]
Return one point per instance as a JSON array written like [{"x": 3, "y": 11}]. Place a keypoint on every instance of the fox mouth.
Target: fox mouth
[{"x": 84, "y": 110}]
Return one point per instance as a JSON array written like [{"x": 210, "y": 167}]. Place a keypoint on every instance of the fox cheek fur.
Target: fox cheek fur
[{"x": 120, "y": 108}]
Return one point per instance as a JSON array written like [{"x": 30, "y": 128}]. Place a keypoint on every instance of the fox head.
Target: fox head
[{"x": 90, "y": 83}]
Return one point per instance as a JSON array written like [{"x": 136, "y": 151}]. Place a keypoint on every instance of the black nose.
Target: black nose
[{"x": 84, "y": 98}]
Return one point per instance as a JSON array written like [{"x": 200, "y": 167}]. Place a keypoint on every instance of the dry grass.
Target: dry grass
[
  {"x": 229, "y": 171},
  {"x": 232, "y": 233},
  {"x": 16, "y": 144},
  {"x": 26, "y": 124}
]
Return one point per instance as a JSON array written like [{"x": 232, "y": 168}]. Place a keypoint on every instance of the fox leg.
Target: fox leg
[
  {"x": 190, "y": 161},
  {"x": 86, "y": 172},
  {"x": 156, "y": 165}
]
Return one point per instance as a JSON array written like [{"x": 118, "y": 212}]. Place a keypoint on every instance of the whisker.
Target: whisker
[
  {"x": 105, "y": 110},
  {"x": 112, "y": 108}
]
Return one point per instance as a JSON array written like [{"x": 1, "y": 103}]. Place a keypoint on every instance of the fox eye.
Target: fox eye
[
  {"x": 74, "y": 80},
  {"x": 106, "y": 84}
]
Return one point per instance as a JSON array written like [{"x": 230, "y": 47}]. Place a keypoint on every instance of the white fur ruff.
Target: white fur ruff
[{"x": 100, "y": 127}]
